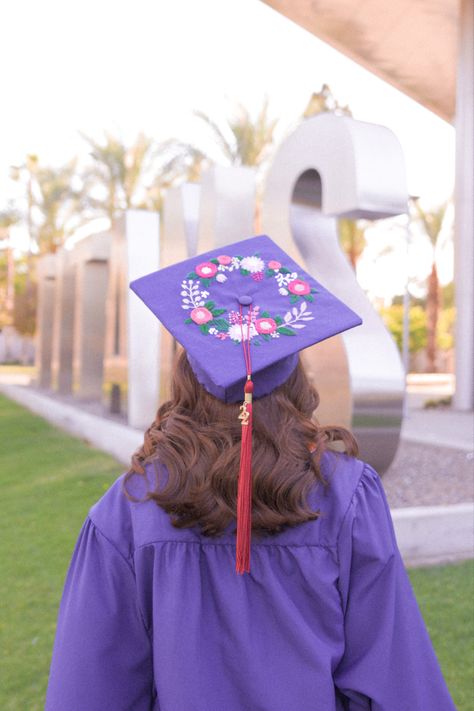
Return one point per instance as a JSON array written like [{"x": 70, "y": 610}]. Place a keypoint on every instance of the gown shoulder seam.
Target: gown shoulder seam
[
  {"x": 114, "y": 546},
  {"x": 353, "y": 495}
]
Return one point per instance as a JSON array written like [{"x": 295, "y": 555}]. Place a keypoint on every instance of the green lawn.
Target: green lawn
[{"x": 49, "y": 481}]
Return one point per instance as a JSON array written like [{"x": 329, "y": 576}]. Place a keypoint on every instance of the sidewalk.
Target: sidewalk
[{"x": 443, "y": 426}]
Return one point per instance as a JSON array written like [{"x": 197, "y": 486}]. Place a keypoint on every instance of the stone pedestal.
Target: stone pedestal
[
  {"x": 90, "y": 260},
  {"x": 45, "y": 318},
  {"x": 63, "y": 329}
]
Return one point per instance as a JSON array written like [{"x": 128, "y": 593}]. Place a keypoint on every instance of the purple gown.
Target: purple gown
[{"x": 154, "y": 617}]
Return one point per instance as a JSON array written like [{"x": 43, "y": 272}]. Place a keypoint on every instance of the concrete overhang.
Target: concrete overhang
[{"x": 411, "y": 44}]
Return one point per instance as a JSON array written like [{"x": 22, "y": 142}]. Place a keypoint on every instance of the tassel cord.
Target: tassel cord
[{"x": 244, "y": 496}]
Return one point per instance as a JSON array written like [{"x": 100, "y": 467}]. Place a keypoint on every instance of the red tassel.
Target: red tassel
[{"x": 244, "y": 496}]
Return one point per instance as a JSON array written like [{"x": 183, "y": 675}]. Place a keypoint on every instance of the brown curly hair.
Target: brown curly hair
[{"x": 197, "y": 438}]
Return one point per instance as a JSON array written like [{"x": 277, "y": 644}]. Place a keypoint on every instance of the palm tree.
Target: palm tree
[
  {"x": 26, "y": 173},
  {"x": 113, "y": 180},
  {"x": 352, "y": 238},
  {"x": 57, "y": 204},
  {"x": 243, "y": 140},
  {"x": 240, "y": 140},
  {"x": 432, "y": 223},
  {"x": 324, "y": 100},
  {"x": 123, "y": 176},
  {"x": 8, "y": 218},
  {"x": 178, "y": 162}
]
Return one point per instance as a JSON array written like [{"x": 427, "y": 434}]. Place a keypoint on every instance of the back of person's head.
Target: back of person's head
[{"x": 197, "y": 437}]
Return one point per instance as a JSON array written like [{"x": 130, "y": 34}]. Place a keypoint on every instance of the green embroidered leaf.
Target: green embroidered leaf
[
  {"x": 218, "y": 312},
  {"x": 220, "y": 323},
  {"x": 255, "y": 343},
  {"x": 265, "y": 314},
  {"x": 269, "y": 272},
  {"x": 294, "y": 298},
  {"x": 284, "y": 270},
  {"x": 314, "y": 291},
  {"x": 308, "y": 297},
  {"x": 204, "y": 328},
  {"x": 278, "y": 320},
  {"x": 285, "y": 331},
  {"x": 192, "y": 275},
  {"x": 188, "y": 320},
  {"x": 239, "y": 257},
  {"x": 244, "y": 272},
  {"x": 214, "y": 261},
  {"x": 205, "y": 282},
  {"x": 209, "y": 305},
  {"x": 266, "y": 336}
]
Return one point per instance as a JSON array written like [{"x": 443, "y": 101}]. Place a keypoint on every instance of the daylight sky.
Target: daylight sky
[{"x": 68, "y": 65}]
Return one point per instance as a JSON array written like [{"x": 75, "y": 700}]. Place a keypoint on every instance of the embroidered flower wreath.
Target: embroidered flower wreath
[{"x": 263, "y": 326}]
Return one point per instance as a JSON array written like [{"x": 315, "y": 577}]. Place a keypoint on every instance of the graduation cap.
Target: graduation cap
[{"x": 243, "y": 313}]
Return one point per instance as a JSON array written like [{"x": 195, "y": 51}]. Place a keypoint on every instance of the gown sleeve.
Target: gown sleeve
[
  {"x": 102, "y": 656},
  {"x": 388, "y": 663}
]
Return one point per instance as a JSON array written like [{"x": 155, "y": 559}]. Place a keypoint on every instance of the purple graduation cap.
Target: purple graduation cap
[{"x": 243, "y": 312}]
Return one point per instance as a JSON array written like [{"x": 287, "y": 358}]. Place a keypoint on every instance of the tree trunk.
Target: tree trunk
[{"x": 432, "y": 310}]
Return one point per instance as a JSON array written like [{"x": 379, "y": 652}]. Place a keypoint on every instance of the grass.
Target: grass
[
  {"x": 49, "y": 480},
  {"x": 445, "y": 595}
]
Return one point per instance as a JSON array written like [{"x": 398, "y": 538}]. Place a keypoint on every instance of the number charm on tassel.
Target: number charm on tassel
[{"x": 244, "y": 413}]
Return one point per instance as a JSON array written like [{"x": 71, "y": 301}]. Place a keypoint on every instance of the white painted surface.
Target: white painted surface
[
  {"x": 112, "y": 437},
  {"x": 142, "y": 234},
  {"x": 434, "y": 534}
]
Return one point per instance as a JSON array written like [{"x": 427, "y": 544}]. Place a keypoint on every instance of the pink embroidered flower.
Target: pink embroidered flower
[
  {"x": 274, "y": 264},
  {"x": 265, "y": 325},
  {"x": 224, "y": 259},
  {"x": 201, "y": 315},
  {"x": 206, "y": 270},
  {"x": 299, "y": 287},
  {"x": 258, "y": 276}
]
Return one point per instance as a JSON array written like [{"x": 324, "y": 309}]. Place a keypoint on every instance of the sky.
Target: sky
[{"x": 145, "y": 65}]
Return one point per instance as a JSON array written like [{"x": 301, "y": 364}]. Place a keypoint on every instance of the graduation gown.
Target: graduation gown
[{"x": 154, "y": 617}]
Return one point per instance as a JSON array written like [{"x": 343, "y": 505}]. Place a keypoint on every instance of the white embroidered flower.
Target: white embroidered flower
[
  {"x": 235, "y": 264},
  {"x": 283, "y": 291},
  {"x": 235, "y": 332},
  {"x": 221, "y": 278},
  {"x": 204, "y": 294},
  {"x": 254, "y": 265}
]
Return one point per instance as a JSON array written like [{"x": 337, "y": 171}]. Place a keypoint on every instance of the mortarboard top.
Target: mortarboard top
[
  {"x": 200, "y": 300},
  {"x": 243, "y": 312}
]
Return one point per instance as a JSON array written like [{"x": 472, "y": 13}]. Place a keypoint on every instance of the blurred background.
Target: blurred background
[{"x": 136, "y": 134}]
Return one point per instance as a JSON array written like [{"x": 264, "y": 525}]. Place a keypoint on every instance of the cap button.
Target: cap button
[{"x": 245, "y": 300}]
